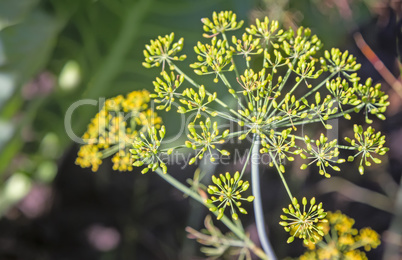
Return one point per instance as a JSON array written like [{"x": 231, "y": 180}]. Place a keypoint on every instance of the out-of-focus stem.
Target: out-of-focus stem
[{"x": 258, "y": 211}]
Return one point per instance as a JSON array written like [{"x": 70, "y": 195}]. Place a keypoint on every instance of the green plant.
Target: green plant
[{"x": 277, "y": 78}]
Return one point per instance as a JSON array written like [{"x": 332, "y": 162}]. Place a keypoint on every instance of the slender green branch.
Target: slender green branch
[
  {"x": 217, "y": 100},
  {"x": 346, "y": 147},
  {"x": 227, "y": 46},
  {"x": 110, "y": 151},
  {"x": 247, "y": 160},
  {"x": 225, "y": 220},
  {"x": 283, "y": 99},
  {"x": 192, "y": 82},
  {"x": 282, "y": 178},
  {"x": 304, "y": 121},
  {"x": 283, "y": 83},
  {"x": 224, "y": 116},
  {"x": 316, "y": 88},
  {"x": 285, "y": 79},
  {"x": 227, "y": 84}
]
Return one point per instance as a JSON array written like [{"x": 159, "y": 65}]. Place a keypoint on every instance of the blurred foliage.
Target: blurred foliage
[{"x": 331, "y": 19}]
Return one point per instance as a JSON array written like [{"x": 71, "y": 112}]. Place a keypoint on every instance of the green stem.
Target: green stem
[
  {"x": 315, "y": 89},
  {"x": 285, "y": 79},
  {"x": 192, "y": 82},
  {"x": 223, "y": 115},
  {"x": 282, "y": 178},
  {"x": 235, "y": 134},
  {"x": 217, "y": 100},
  {"x": 228, "y": 47},
  {"x": 248, "y": 159},
  {"x": 258, "y": 211},
  {"x": 110, "y": 151},
  {"x": 283, "y": 99},
  {"x": 227, "y": 84},
  {"x": 318, "y": 86},
  {"x": 319, "y": 119},
  {"x": 346, "y": 147},
  {"x": 225, "y": 220}
]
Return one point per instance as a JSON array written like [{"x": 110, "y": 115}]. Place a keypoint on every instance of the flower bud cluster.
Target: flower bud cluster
[
  {"x": 146, "y": 150},
  {"x": 162, "y": 50},
  {"x": 323, "y": 153},
  {"x": 206, "y": 140},
  {"x": 303, "y": 221},
  {"x": 221, "y": 22},
  {"x": 212, "y": 58},
  {"x": 165, "y": 89},
  {"x": 367, "y": 143},
  {"x": 227, "y": 192}
]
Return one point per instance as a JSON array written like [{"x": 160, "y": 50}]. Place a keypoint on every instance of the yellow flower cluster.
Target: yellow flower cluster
[
  {"x": 88, "y": 156},
  {"x": 341, "y": 240},
  {"x": 113, "y": 129}
]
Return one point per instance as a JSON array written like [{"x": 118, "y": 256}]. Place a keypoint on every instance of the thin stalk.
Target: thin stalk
[
  {"x": 192, "y": 82},
  {"x": 227, "y": 46},
  {"x": 258, "y": 211},
  {"x": 316, "y": 88},
  {"x": 338, "y": 146},
  {"x": 227, "y": 84},
  {"x": 283, "y": 83},
  {"x": 225, "y": 220},
  {"x": 303, "y": 121},
  {"x": 110, "y": 151},
  {"x": 282, "y": 178},
  {"x": 223, "y": 115},
  {"x": 247, "y": 160},
  {"x": 283, "y": 99},
  {"x": 346, "y": 147}
]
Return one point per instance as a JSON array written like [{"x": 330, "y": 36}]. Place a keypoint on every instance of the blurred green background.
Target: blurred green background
[{"x": 54, "y": 53}]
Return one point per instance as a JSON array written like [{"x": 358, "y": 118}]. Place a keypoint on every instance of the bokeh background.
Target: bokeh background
[{"x": 54, "y": 53}]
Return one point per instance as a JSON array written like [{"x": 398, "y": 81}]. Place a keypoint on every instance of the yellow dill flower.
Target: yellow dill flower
[
  {"x": 368, "y": 238},
  {"x": 113, "y": 129},
  {"x": 346, "y": 240},
  {"x": 136, "y": 100},
  {"x": 114, "y": 104},
  {"x": 329, "y": 252},
  {"x": 88, "y": 156},
  {"x": 355, "y": 255},
  {"x": 122, "y": 161},
  {"x": 342, "y": 223},
  {"x": 341, "y": 240},
  {"x": 301, "y": 221},
  {"x": 149, "y": 118},
  {"x": 310, "y": 245},
  {"x": 309, "y": 255}
]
